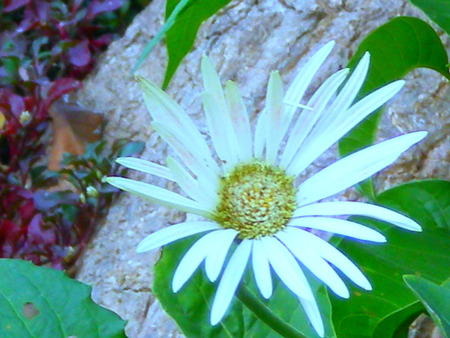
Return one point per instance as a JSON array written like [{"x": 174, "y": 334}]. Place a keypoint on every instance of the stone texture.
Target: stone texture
[{"x": 245, "y": 41}]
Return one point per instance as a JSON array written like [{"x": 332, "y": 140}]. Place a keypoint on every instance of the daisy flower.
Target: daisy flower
[{"x": 247, "y": 191}]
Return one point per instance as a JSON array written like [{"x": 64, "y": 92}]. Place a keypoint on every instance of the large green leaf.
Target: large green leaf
[
  {"x": 180, "y": 37},
  {"x": 250, "y": 315},
  {"x": 41, "y": 302},
  {"x": 435, "y": 298},
  {"x": 436, "y": 10},
  {"x": 425, "y": 253},
  {"x": 399, "y": 46}
]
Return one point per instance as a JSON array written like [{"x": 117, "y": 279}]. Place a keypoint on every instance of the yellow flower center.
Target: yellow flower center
[{"x": 255, "y": 199}]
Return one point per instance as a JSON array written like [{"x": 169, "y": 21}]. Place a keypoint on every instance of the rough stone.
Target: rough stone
[{"x": 245, "y": 40}]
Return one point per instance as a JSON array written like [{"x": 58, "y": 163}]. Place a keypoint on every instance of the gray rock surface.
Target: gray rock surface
[{"x": 245, "y": 41}]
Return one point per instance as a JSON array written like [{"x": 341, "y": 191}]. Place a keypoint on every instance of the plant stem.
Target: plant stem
[{"x": 255, "y": 305}]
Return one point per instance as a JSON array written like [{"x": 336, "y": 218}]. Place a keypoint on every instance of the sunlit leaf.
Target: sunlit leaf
[
  {"x": 424, "y": 253},
  {"x": 397, "y": 47},
  {"x": 435, "y": 298},
  {"x": 436, "y": 10}
]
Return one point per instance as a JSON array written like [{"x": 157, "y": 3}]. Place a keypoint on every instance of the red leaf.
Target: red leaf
[
  {"x": 38, "y": 235},
  {"x": 11, "y": 5},
  {"x": 12, "y": 102},
  {"x": 29, "y": 21},
  {"x": 43, "y": 11},
  {"x": 79, "y": 55},
  {"x": 97, "y": 7},
  {"x": 10, "y": 235},
  {"x": 61, "y": 87}
]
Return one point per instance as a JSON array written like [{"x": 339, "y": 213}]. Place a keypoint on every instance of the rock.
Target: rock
[{"x": 245, "y": 41}]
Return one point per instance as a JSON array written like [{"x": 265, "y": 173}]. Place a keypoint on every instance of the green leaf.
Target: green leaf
[
  {"x": 437, "y": 10},
  {"x": 180, "y": 37},
  {"x": 249, "y": 316},
  {"x": 435, "y": 298},
  {"x": 399, "y": 46},
  {"x": 41, "y": 302},
  {"x": 424, "y": 253}
]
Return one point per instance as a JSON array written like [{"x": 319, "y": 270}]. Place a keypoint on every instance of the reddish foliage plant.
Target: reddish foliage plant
[{"x": 46, "y": 46}]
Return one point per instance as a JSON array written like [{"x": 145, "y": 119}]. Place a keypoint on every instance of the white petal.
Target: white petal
[
  {"x": 191, "y": 186},
  {"x": 166, "y": 111},
  {"x": 295, "y": 93},
  {"x": 239, "y": 120},
  {"x": 159, "y": 195},
  {"x": 230, "y": 280},
  {"x": 339, "y": 226},
  {"x": 367, "y": 105},
  {"x": 261, "y": 269},
  {"x": 314, "y": 144},
  {"x": 146, "y": 167},
  {"x": 354, "y": 168},
  {"x": 193, "y": 258},
  {"x": 215, "y": 258},
  {"x": 332, "y": 255},
  {"x": 186, "y": 182},
  {"x": 286, "y": 267},
  {"x": 219, "y": 135},
  {"x": 274, "y": 106},
  {"x": 305, "y": 75},
  {"x": 313, "y": 313},
  {"x": 314, "y": 263},
  {"x": 211, "y": 81},
  {"x": 348, "y": 94},
  {"x": 309, "y": 303},
  {"x": 210, "y": 190},
  {"x": 260, "y": 134},
  {"x": 191, "y": 159},
  {"x": 326, "y": 135},
  {"x": 213, "y": 88},
  {"x": 360, "y": 209},
  {"x": 307, "y": 119},
  {"x": 174, "y": 233}
]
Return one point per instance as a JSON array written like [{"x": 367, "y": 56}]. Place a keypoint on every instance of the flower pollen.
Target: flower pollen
[{"x": 256, "y": 199}]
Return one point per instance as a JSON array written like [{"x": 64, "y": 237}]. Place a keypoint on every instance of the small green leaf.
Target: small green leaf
[
  {"x": 41, "y": 302},
  {"x": 170, "y": 20},
  {"x": 131, "y": 148},
  {"x": 436, "y": 10},
  {"x": 399, "y": 46},
  {"x": 10, "y": 66},
  {"x": 180, "y": 37},
  {"x": 435, "y": 298},
  {"x": 424, "y": 253},
  {"x": 249, "y": 316}
]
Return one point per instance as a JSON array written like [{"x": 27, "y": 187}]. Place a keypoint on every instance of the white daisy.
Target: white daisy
[{"x": 249, "y": 197}]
